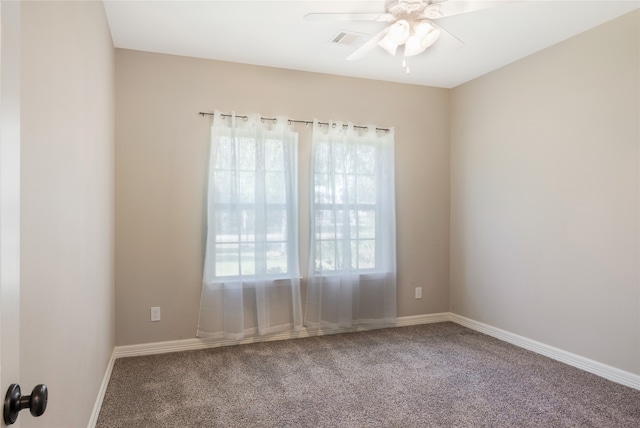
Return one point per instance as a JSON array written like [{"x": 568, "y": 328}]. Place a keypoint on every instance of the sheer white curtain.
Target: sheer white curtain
[
  {"x": 352, "y": 269},
  {"x": 251, "y": 273}
]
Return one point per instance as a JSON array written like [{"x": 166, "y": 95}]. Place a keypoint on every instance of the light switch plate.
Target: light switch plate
[{"x": 155, "y": 313}]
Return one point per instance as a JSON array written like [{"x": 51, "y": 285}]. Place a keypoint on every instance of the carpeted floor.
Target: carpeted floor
[{"x": 434, "y": 375}]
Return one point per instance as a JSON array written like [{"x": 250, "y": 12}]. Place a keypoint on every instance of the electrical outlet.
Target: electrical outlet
[
  {"x": 418, "y": 292},
  {"x": 155, "y": 313}
]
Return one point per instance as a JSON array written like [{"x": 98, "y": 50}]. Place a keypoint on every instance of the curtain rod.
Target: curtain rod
[{"x": 306, "y": 122}]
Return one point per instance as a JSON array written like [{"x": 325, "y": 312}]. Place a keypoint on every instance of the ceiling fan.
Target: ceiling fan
[{"x": 410, "y": 25}]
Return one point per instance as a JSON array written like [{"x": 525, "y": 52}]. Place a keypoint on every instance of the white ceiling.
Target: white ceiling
[{"x": 275, "y": 34}]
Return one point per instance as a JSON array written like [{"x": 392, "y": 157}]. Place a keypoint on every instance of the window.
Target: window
[
  {"x": 251, "y": 182},
  {"x": 251, "y": 271},
  {"x": 352, "y": 272},
  {"x": 350, "y": 186}
]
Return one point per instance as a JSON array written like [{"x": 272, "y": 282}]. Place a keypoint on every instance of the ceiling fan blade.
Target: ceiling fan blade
[
  {"x": 451, "y": 8},
  {"x": 367, "y": 47},
  {"x": 446, "y": 42},
  {"x": 379, "y": 17}
]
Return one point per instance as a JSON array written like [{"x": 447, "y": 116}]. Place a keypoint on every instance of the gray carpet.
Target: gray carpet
[{"x": 435, "y": 375}]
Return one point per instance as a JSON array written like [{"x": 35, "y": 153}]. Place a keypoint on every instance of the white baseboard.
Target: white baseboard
[
  {"x": 586, "y": 364},
  {"x": 193, "y": 344},
  {"x": 423, "y": 319},
  {"x": 101, "y": 392}
]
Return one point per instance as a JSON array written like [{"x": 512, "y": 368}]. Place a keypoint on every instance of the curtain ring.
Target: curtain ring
[
  {"x": 245, "y": 118},
  {"x": 334, "y": 125},
  {"x": 274, "y": 121},
  {"x": 289, "y": 122}
]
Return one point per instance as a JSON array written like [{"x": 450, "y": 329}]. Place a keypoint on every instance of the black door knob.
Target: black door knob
[{"x": 14, "y": 401}]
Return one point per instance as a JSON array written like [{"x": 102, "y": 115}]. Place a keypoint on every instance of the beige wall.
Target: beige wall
[
  {"x": 161, "y": 157},
  {"x": 545, "y": 196},
  {"x": 67, "y": 311}
]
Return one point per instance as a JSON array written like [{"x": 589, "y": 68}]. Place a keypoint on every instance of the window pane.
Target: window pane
[
  {"x": 345, "y": 158},
  {"x": 367, "y": 224},
  {"x": 224, "y": 153},
  {"x": 277, "y": 225},
  {"x": 247, "y": 225},
  {"x": 273, "y": 160},
  {"x": 246, "y": 187},
  {"x": 343, "y": 224},
  {"x": 248, "y": 259},
  {"x": 353, "y": 218},
  {"x": 366, "y": 159},
  {"x": 350, "y": 158},
  {"x": 325, "y": 255},
  {"x": 325, "y": 224},
  {"x": 226, "y": 226},
  {"x": 345, "y": 188},
  {"x": 343, "y": 257},
  {"x": 274, "y": 188},
  {"x": 227, "y": 260},
  {"x": 277, "y": 258},
  {"x": 354, "y": 254},
  {"x": 339, "y": 158},
  {"x": 366, "y": 189},
  {"x": 366, "y": 254},
  {"x": 246, "y": 154},
  {"x": 323, "y": 189},
  {"x": 339, "y": 188},
  {"x": 351, "y": 188},
  {"x": 322, "y": 158},
  {"x": 224, "y": 186}
]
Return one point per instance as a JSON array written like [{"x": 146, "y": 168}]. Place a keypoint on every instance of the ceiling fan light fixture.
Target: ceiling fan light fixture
[
  {"x": 425, "y": 35},
  {"x": 413, "y": 46},
  {"x": 399, "y": 32},
  {"x": 431, "y": 38},
  {"x": 388, "y": 45},
  {"x": 423, "y": 28}
]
